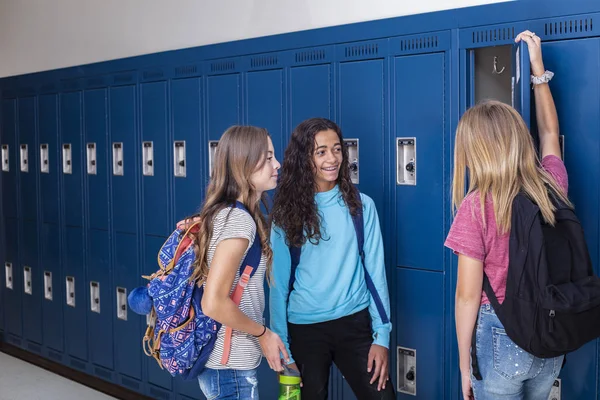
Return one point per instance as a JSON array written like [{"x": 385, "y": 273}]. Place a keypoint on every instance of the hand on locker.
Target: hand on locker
[{"x": 534, "y": 45}]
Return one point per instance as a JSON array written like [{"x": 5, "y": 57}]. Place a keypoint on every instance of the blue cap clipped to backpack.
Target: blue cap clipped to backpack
[{"x": 140, "y": 301}]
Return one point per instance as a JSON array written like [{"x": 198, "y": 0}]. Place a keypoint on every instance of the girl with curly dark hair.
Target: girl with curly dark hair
[{"x": 326, "y": 312}]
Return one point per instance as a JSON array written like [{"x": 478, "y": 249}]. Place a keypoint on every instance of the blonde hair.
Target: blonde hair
[
  {"x": 241, "y": 151},
  {"x": 495, "y": 146}
]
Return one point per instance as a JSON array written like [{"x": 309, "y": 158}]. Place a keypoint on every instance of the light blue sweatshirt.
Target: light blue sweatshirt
[{"x": 330, "y": 281}]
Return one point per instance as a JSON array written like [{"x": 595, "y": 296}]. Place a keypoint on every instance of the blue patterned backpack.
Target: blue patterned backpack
[{"x": 179, "y": 336}]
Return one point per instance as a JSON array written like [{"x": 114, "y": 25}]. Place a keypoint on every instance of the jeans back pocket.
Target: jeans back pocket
[{"x": 510, "y": 361}]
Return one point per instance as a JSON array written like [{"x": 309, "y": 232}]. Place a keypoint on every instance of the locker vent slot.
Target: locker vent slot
[
  {"x": 102, "y": 373},
  {"x": 27, "y": 91},
  {"x": 222, "y": 66},
  {"x": 159, "y": 394},
  {"x": 186, "y": 70},
  {"x": 310, "y": 55},
  {"x": 48, "y": 88},
  {"x": 570, "y": 26},
  {"x": 14, "y": 340},
  {"x": 362, "y": 50},
  {"x": 157, "y": 74},
  {"x": 71, "y": 84},
  {"x": 34, "y": 347},
  {"x": 494, "y": 35},
  {"x": 95, "y": 82},
  {"x": 430, "y": 42},
  {"x": 55, "y": 356},
  {"x": 77, "y": 364},
  {"x": 130, "y": 383},
  {"x": 123, "y": 78},
  {"x": 264, "y": 61}
]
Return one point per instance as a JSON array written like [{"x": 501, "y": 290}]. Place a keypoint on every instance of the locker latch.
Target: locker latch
[
  {"x": 179, "y": 158},
  {"x": 5, "y": 164},
  {"x": 91, "y": 158},
  {"x": 555, "y": 393},
  {"x": 8, "y": 272},
  {"x": 48, "y": 285},
  {"x": 71, "y": 291},
  {"x": 352, "y": 146},
  {"x": 118, "y": 159},
  {"x": 407, "y": 371},
  {"x": 24, "y": 158},
  {"x": 44, "y": 159},
  {"x": 122, "y": 303},
  {"x": 148, "y": 158},
  {"x": 95, "y": 297},
  {"x": 67, "y": 159},
  {"x": 406, "y": 161},
  {"x": 212, "y": 151},
  {"x": 27, "y": 280}
]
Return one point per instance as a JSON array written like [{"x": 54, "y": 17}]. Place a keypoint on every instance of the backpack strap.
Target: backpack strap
[
  {"x": 248, "y": 268},
  {"x": 359, "y": 228}
]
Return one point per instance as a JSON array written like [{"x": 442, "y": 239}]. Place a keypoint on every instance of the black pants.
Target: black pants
[{"x": 346, "y": 342}]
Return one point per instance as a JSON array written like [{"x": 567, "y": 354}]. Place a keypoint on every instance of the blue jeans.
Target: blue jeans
[
  {"x": 229, "y": 384},
  {"x": 508, "y": 371}
]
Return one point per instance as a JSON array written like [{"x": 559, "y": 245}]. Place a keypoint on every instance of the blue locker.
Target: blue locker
[
  {"x": 578, "y": 104},
  {"x": 2, "y": 275},
  {"x": 13, "y": 314},
  {"x": 265, "y": 104},
  {"x": 32, "y": 283},
  {"x": 419, "y": 108},
  {"x": 310, "y": 93},
  {"x": 156, "y": 375},
  {"x": 28, "y": 167},
  {"x": 123, "y": 130},
  {"x": 52, "y": 315},
  {"x": 95, "y": 117},
  {"x": 190, "y": 388},
  {"x": 70, "y": 123},
  {"x": 223, "y": 108},
  {"x": 76, "y": 301},
  {"x": 421, "y": 328},
  {"x": 155, "y": 129},
  {"x": 186, "y": 109},
  {"x": 101, "y": 304},
  {"x": 49, "y": 142},
  {"x": 127, "y": 333},
  {"x": 9, "y": 178},
  {"x": 361, "y": 116}
]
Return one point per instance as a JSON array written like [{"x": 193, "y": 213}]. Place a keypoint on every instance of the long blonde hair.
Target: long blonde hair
[
  {"x": 495, "y": 146},
  {"x": 241, "y": 151}
]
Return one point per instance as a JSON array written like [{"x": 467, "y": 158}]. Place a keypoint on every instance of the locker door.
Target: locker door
[
  {"x": 53, "y": 290},
  {"x": 32, "y": 285},
  {"x": 96, "y": 157},
  {"x": 100, "y": 306},
  {"x": 155, "y": 131},
  {"x": 124, "y": 183},
  {"x": 310, "y": 94},
  {"x": 13, "y": 296},
  {"x": 521, "y": 72},
  {"x": 27, "y": 162},
  {"x": 224, "y": 104},
  {"x": 186, "y": 108},
  {"x": 49, "y": 144},
  {"x": 9, "y": 145},
  {"x": 578, "y": 105},
  {"x": 128, "y": 331},
  {"x": 71, "y": 136},
  {"x": 75, "y": 303}
]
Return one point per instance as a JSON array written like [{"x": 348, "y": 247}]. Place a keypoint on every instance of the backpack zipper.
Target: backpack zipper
[{"x": 551, "y": 321}]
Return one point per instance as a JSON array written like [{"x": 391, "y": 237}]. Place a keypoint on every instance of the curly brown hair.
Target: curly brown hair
[{"x": 294, "y": 206}]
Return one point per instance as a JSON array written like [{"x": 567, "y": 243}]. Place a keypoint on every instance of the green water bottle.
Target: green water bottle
[{"x": 289, "y": 384}]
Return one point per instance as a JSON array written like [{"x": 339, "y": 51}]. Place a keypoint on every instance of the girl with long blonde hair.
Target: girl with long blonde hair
[
  {"x": 244, "y": 168},
  {"x": 495, "y": 150}
]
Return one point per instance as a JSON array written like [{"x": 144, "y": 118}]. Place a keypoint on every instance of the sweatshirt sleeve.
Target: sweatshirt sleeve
[
  {"x": 278, "y": 292},
  {"x": 375, "y": 265}
]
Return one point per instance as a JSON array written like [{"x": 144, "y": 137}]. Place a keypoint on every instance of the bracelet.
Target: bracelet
[
  {"x": 545, "y": 78},
  {"x": 263, "y": 332}
]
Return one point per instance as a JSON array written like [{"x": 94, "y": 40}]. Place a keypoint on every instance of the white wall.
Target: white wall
[{"x": 38, "y": 35}]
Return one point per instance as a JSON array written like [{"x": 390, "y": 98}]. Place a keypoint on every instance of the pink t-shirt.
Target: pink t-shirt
[{"x": 467, "y": 235}]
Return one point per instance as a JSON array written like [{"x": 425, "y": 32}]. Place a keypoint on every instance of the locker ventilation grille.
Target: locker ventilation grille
[
  {"x": 494, "y": 35},
  {"x": 362, "y": 50},
  {"x": 130, "y": 383},
  {"x": 123, "y": 78},
  {"x": 71, "y": 84},
  {"x": 102, "y": 373},
  {"x": 571, "y": 26},
  {"x": 186, "y": 70},
  {"x": 55, "y": 356},
  {"x": 77, "y": 364},
  {"x": 96, "y": 82},
  {"x": 419, "y": 43},
  {"x": 34, "y": 347},
  {"x": 311, "y": 55},
  {"x": 48, "y": 88},
  {"x": 153, "y": 74},
  {"x": 159, "y": 394},
  {"x": 222, "y": 66},
  {"x": 264, "y": 61}
]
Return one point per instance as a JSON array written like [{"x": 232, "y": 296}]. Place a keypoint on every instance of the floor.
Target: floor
[{"x": 21, "y": 380}]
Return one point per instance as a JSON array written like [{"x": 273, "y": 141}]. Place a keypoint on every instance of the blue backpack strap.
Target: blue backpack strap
[
  {"x": 359, "y": 227},
  {"x": 254, "y": 254}
]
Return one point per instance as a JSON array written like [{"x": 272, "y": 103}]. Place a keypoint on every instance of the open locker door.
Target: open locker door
[{"x": 521, "y": 90}]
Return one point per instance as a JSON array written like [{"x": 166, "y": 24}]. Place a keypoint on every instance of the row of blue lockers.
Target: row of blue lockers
[{"x": 84, "y": 213}]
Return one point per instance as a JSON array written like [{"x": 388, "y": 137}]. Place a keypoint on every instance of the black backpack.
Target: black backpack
[{"x": 552, "y": 303}]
